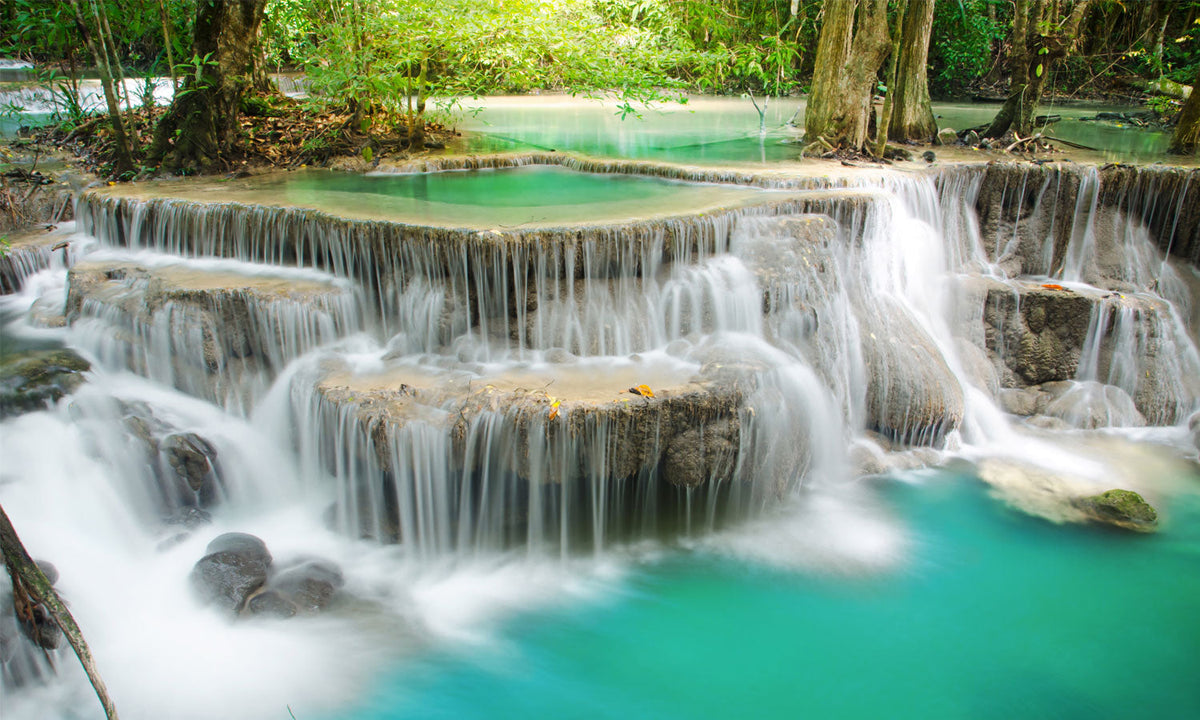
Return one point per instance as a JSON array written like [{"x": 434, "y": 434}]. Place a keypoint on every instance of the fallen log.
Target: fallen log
[{"x": 32, "y": 588}]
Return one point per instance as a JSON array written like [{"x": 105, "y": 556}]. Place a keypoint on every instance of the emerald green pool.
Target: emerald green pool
[
  {"x": 991, "y": 614},
  {"x": 530, "y": 196}
]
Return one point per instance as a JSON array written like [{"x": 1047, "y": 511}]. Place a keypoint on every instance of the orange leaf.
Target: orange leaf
[
  {"x": 643, "y": 390},
  {"x": 1052, "y": 286}
]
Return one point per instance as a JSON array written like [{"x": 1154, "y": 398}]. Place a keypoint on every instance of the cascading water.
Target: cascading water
[{"x": 435, "y": 410}]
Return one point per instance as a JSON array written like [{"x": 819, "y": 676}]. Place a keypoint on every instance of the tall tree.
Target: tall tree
[
  {"x": 1187, "y": 133},
  {"x": 852, "y": 47},
  {"x": 912, "y": 112},
  {"x": 1044, "y": 31},
  {"x": 123, "y": 161},
  {"x": 200, "y": 128}
]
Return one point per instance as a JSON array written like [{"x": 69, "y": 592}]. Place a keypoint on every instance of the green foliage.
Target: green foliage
[
  {"x": 961, "y": 46},
  {"x": 45, "y": 30},
  {"x": 387, "y": 56}
]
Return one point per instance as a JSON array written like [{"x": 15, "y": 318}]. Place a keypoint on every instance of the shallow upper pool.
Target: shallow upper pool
[{"x": 532, "y": 196}]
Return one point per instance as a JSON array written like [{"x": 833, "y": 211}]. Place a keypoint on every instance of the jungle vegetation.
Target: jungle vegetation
[{"x": 386, "y": 65}]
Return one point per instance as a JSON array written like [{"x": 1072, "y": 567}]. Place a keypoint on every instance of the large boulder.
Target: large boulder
[
  {"x": 1121, "y": 508},
  {"x": 235, "y": 566},
  {"x": 913, "y": 396},
  {"x": 31, "y": 380}
]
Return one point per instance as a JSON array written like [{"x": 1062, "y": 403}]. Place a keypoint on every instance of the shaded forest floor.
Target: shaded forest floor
[{"x": 273, "y": 132}]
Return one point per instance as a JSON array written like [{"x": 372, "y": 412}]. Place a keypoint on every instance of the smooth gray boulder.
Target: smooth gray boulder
[{"x": 234, "y": 566}]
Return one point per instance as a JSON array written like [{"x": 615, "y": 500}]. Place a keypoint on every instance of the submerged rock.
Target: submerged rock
[
  {"x": 30, "y": 381},
  {"x": 1091, "y": 405},
  {"x": 235, "y": 566},
  {"x": 1122, "y": 508},
  {"x": 308, "y": 585}
]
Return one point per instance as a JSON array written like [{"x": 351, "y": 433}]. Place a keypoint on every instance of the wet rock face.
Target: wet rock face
[
  {"x": 1121, "y": 508},
  {"x": 191, "y": 459},
  {"x": 188, "y": 472},
  {"x": 702, "y": 453},
  {"x": 30, "y": 381},
  {"x": 912, "y": 395},
  {"x": 1037, "y": 333},
  {"x": 234, "y": 567},
  {"x": 1194, "y": 428}
]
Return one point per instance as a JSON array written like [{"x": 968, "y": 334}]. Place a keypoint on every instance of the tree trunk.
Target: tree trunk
[
  {"x": 123, "y": 162},
  {"x": 1039, "y": 39},
  {"x": 166, "y": 24},
  {"x": 912, "y": 114},
  {"x": 31, "y": 588},
  {"x": 852, "y": 46},
  {"x": 200, "y": 128},
  {"x": 1186, "y": 140}
]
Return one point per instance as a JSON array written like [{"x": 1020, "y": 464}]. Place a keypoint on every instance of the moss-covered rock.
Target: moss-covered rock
[
  {"x": 31, "y": 380},
  {"x": 1123, "y": 508}
]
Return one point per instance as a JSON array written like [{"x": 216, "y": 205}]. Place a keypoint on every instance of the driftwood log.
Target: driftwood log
[{"x": 32, "y": 589}]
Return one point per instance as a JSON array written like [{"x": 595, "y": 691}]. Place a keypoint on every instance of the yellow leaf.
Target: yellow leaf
[{"x": 643, "y": 390}]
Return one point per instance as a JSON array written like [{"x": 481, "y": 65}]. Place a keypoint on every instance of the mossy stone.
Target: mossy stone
[
  {"x": 31, "y": 380},
  {"x": 1123, "y": 508}
]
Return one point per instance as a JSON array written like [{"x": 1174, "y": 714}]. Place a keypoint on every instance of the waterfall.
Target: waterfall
[{"x": 414, "y": 400}]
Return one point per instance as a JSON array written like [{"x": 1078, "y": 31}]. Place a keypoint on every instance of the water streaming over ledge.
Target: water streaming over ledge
[{"x": 407, "y": 399}]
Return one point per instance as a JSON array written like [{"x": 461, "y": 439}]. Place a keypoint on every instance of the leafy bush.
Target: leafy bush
[{"x": 961, "y": 48}]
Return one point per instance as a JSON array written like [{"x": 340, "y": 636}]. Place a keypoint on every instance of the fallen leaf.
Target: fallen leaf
[
  {"x": 643, "y": 390},
  {"x": 1052, "y": 286}
]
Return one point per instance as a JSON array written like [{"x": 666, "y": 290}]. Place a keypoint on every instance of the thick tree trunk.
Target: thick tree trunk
[
  {"x": 852, "y": 46},
  {"x": 1039, "y": 39},
  {"x": 912, "y": 114},
  {"x": 1186, "y": 140},
  {"x": 31, "y": 589},
  {"x": 200, "y": 128}
]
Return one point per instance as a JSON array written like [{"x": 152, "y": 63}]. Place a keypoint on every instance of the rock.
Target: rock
[
  {"x": 1037, "y": 333},
  {"x": 30, "y": 381},
  {"x": 234, "y": 566},
  {"x": 270, "y": 602},
  {"x": 701, "y": 453},
  {"x": 929, "y": 156},
  {"x": 308, "y": 585},
  {"x": 191, "y": 459},
  {"x": 972, "y": 138},
  {"x": 1194, "y": 427},
  {"x": 1019, "y": 401},
  {"x": 913, "y": 396},
  {"x": 1122, "y": 508},
  {"x": 895, "y": 152},
  {"x": 946, "y": 136},
  {"x": 189, "y": 518},
  {"x": 1090, "y": 405}
]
